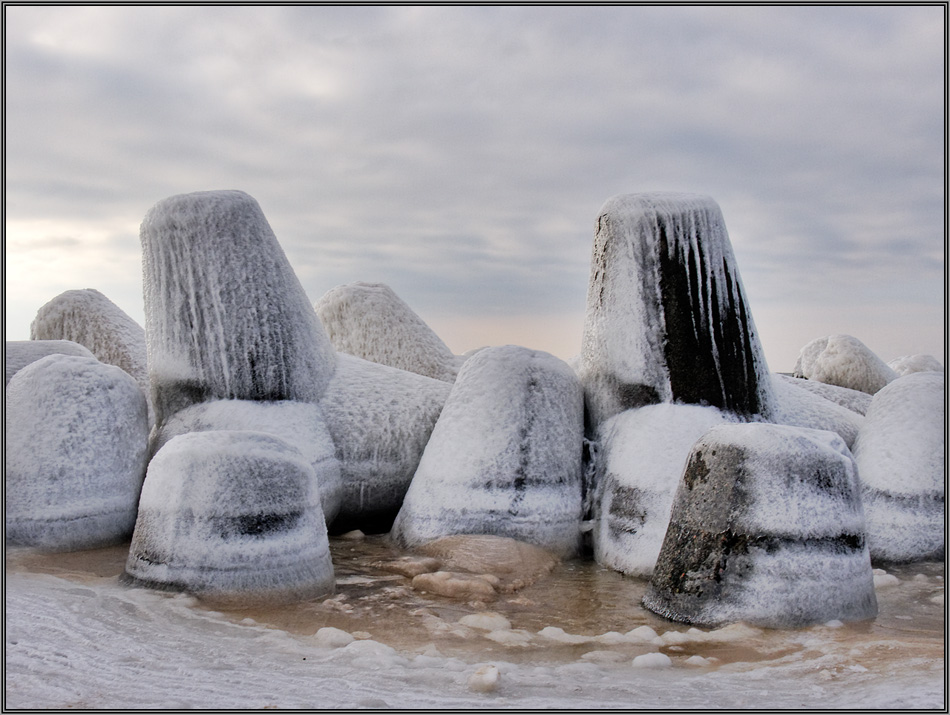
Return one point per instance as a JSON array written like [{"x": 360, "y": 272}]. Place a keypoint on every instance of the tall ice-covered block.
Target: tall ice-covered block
[
  {"x": 225, "y": 316},
  {"x": 667, "y": 319}
]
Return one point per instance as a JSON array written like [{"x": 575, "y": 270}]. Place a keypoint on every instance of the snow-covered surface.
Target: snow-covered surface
[
  {"x": 300, "y": 423},
  {"x": 667, "y": 318},
  {"x": 20, "y": 353},
  {"x": 854, "y": 400},
  {"x": 89, "y": 318},
  {"x": 235, "y": 514},
  {"x": 75, "y": 638},
  {"x": 767, "y": 528},
  {"x": 906, "y": 364},
  {"x": 845, "y": 361},
  {"x": 370, "y": 321},
  {"x": 900, "y": 452},
  {"x": 380, "y": 419},
  {"x": 75, "y": 450},
  {"x": 796, "y": 407},
  {"x": 641, "y": 457},
  {"x": 504, "y": 457},
  {"x": 225, "y": 315}
]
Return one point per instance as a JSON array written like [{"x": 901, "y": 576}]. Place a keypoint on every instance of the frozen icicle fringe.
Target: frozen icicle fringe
[{"x": 225, "y": 315}]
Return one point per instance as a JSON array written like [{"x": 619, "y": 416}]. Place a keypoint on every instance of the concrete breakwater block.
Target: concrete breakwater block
[
  {"x": 76, "y": 447},
  {"x": 767, "y": 528},
  {"x": 232, "y": 516}
]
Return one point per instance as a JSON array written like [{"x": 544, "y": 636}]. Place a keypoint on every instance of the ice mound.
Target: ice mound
[
  {"x": 380, "y": 419},
  {"x": 370, "y": 321},
  {"x": 299, "y": 423},
  {"x": 767, "y": 528},
  {"x": 20, "y": 353},
  {"x": 640, "y": 460},
  {"x": 854, "y": 400},
  {"x": 232, "y": 516},
  {"x": 667, "y": 318},
  {"x": 906, "y": 364},
  {"x": 796, "y": 407},
  {"x": 504, "y": 457},
  {"x": 900, "y": 453},
  {"x": 89, "y": 318},
  {"x": 845, "y": 361},
  {"x": 225, "y": 315},
  {"x": 75, "y": 453}
]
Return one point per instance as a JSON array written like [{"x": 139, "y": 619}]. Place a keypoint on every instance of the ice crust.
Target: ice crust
[
  {"x": 75, "y": 453},
  {"x": 796, "y": 407},
  {"x": 370, "y": 321},
  {"x": 900, "y": 452},
  {"x": 20, "y": 353},
  {"x": 89, "y": 318},
  {"x": 640, "y": 460},
  {"x": 767, "y": 528},
  {"x": 845, "y": 361},
  {"x": 232, "y": 516},
  {"x": 225, "y": 316},
  {"x": 906, "y": 364},
  {"x": 300, "y": 423},
  {"x": 504, "y": 457},
  {"x": 667, "y": 319},
  {"x": 380, "y": 419}
]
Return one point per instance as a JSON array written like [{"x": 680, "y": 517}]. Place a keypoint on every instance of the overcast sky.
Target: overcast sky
[{"x": 461, "y": 154}]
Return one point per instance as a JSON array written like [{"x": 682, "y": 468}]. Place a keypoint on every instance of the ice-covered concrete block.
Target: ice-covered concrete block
[
  {"x": 504, "y": 458},
  {"x": 89, "y": 318},
  {"x": 640, "y": 459},
  {"x": 380, "y": 419},
  {"x": 796, "y": 407},
  {"x": 370, "y": 321},
  {"x": 225, "y": 316},
  {"x": 766, "y": 528},
  {"x": 667, "y": 318},
  {"x": 906, "y": 364},
  {"x": 854, "y": 400},
  {"x": 75, "y": 450},
  {"x": 20, "y": 353},
  {"x": 900, "y": 452},
  {"x": 845, "y": 361},
  {"x": 300, "y": 423},
  {"x": 232, "y": 516}
]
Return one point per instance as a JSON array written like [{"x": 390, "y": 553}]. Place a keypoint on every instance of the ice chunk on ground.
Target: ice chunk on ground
[
  {"x": 485, "y": 679},
  {"x": 667, "y": 319},
  {"x": 854, "y": 400},
  {"x": 20, "y": 353},
  {"x": 639, "y": 464},
  {"x": 300, "y": 423},
  {"x": 330, "y": 637},
  {"x": 370, "y": 321},
  {"x": 652, "y": 660},
  {"x": 767, "y": 528},
  {"x": 380, "y": 419},
  {"x": 900, "y": 453},
  {"x": 804, "y": 408},
  {"x": 845, "y": 361},
  {"x": 906, "y": 364},
  {"x": 486, "y": 621},
  {"x": 75, "y": 453},
  {"x": 504, "y": 457},
  {"x": 225, "y": 314},
  {"x": 457, "y": 585},
  {"x": 233, "y": 516},
  {"x": 89, "y": 318}
]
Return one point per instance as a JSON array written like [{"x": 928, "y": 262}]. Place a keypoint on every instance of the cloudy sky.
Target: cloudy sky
[{"x": 461, "y": 154}]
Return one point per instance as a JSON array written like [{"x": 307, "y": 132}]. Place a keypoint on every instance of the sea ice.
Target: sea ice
[
  {"x": 667, "y": 318},
  {"x": 75, "y": 453},
  {"x": 20, "y": 353},
  {"x": 803, "y": 408},
  {"x": 300, "y": 423},
  {"x": 504, "y": 457},
  {"x": 906, "y": 364},
  {"x": 380, "y": 419},
  {"x": 234, "y": 516},
  {"x": 767, "y": 528},
  {"x": 640, "y": 460},
  {"x": 845, "y": 361},
  {"x": 370, "y": 321},
  {"x": 900, "y": 453},
  {"x": 225, "y": 315}
]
